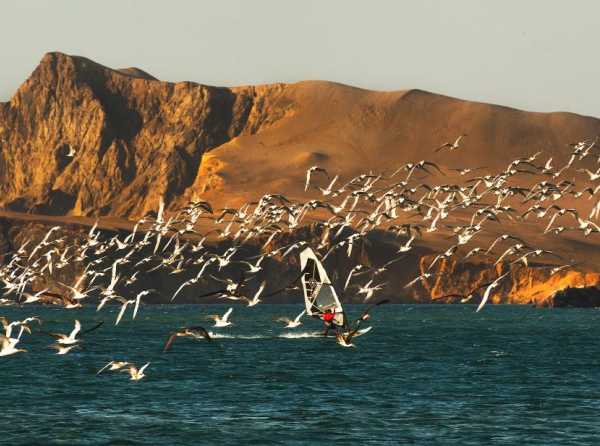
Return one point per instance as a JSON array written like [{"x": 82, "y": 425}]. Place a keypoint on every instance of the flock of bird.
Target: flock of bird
[{"x": 206, "y": 247}]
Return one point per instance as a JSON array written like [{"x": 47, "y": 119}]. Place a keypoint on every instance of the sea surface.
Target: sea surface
[{"x": 425, "y": 375}]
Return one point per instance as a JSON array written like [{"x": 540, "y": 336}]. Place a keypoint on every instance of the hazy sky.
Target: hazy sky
[{"x": 537, "y": 55}]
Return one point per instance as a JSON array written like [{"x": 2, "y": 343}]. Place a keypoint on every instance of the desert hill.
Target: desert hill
[{"x": 135, "y": 138}]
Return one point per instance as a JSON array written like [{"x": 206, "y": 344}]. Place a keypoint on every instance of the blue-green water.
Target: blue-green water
[{"x": 510, "y": 375}]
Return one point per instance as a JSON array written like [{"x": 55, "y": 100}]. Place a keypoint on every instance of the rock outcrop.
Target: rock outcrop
[
  {"x": 582, "y": 297},
  {"x": 83, "y": 139},
  {"x": 535, "y": 284}
]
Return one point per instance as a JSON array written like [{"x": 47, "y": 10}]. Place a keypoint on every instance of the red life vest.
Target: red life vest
[{"x": 328, "y": 317}]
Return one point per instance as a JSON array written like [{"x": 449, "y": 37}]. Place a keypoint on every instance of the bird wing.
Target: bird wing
[
  {"x": 489, "y": 289},
  {"x": 170, "y": 341},
  {"x": 297, "y": 319},
  {"x": 260, "y": 289},
  {"x": 429, "y": 163},
  {"x": 183, "y": 285},
  {"x": 333, "y": 182},
  {"x": 201, "y": 331},
  {"x": 138, "y": 299},
  {"x": 143, "y": 368},
  {"x": 485, "y": 297},
  {"x": 212, "y": 293},
  {"x": 226, "y": 315},
  {"x": 394, "y": 261},
  {"x": 105, "y": 367},
  {"x": 98, "y": 325},
  {"x": 122, "y": 312},
  {"x": 76, "y": 330},
  {"x": 54, "y": 335},
  {"x": 349, "y": 336},
  {"x": 348, "y": 279}
]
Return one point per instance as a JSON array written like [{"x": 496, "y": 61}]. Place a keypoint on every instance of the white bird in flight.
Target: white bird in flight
[
  {"x": 135, "y": 373},
  {"x": 222, "y": 321},
  {"x": 292, "y": 323}
]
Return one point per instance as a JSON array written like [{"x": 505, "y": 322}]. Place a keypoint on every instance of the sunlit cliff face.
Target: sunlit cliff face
[{"x": 524, "y": 285}]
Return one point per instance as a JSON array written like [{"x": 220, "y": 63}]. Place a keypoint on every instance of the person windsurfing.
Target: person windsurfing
[{"x": 328, "y": 317}]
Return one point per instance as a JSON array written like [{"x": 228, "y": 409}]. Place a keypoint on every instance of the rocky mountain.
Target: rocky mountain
[{"x": 79, "y": 138}]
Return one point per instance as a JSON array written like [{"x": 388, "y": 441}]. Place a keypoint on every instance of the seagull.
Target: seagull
[
  {"x": 222, "y": 321},
  {"x": 8, "y": 346},
  {"x": 535, "y": 253},
  {"x": 113, "y": 365},
  {"x": 63, "y": 349},
  {"x": 292, "y": 323},
  {"x": 452, "y": 146},
  {"x": 465, "y": 170},
  {"x": 31, "y": 298},
  {"x": 256, "y": 299},
  {"x": 407, "y": 246},
  {"x": 353, "y": 271},
  {"x": 254, "y": 268},
  {"x": 135, "y": 373},
  {"x": 329, "y": 189},
  {"x": 345, "y": 339},
  {"x": 310, "y": 171},
  {"x": 593, "y": 175},
  {"x": 368, "y": 290},
  {"x": 502, "y": 238},
  {"x": 464, "y": 298},
  {"x": 489, "y": 289},
  {"x": 193, "y": 332},
  {"x": 416, "y": 279},
  {"x": 136, "y": 300},
  {"x": 446, "y": 255},
  {"x": 71, "y": 338}
]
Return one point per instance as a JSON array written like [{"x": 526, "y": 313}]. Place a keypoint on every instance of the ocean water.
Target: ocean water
[{"x": 510, "y": 375}]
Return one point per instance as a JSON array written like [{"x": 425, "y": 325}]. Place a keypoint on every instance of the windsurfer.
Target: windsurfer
[{"x": 328, "y": 317}]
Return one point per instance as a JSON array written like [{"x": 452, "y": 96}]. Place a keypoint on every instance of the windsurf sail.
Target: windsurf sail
[{"x": 319, "y": 293}]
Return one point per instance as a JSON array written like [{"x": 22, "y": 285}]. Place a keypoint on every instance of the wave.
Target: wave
[
  {"x": 230, "y": 336},
  {"x": 302, "y": 334},
  {"x": 285, "y": 335}
]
